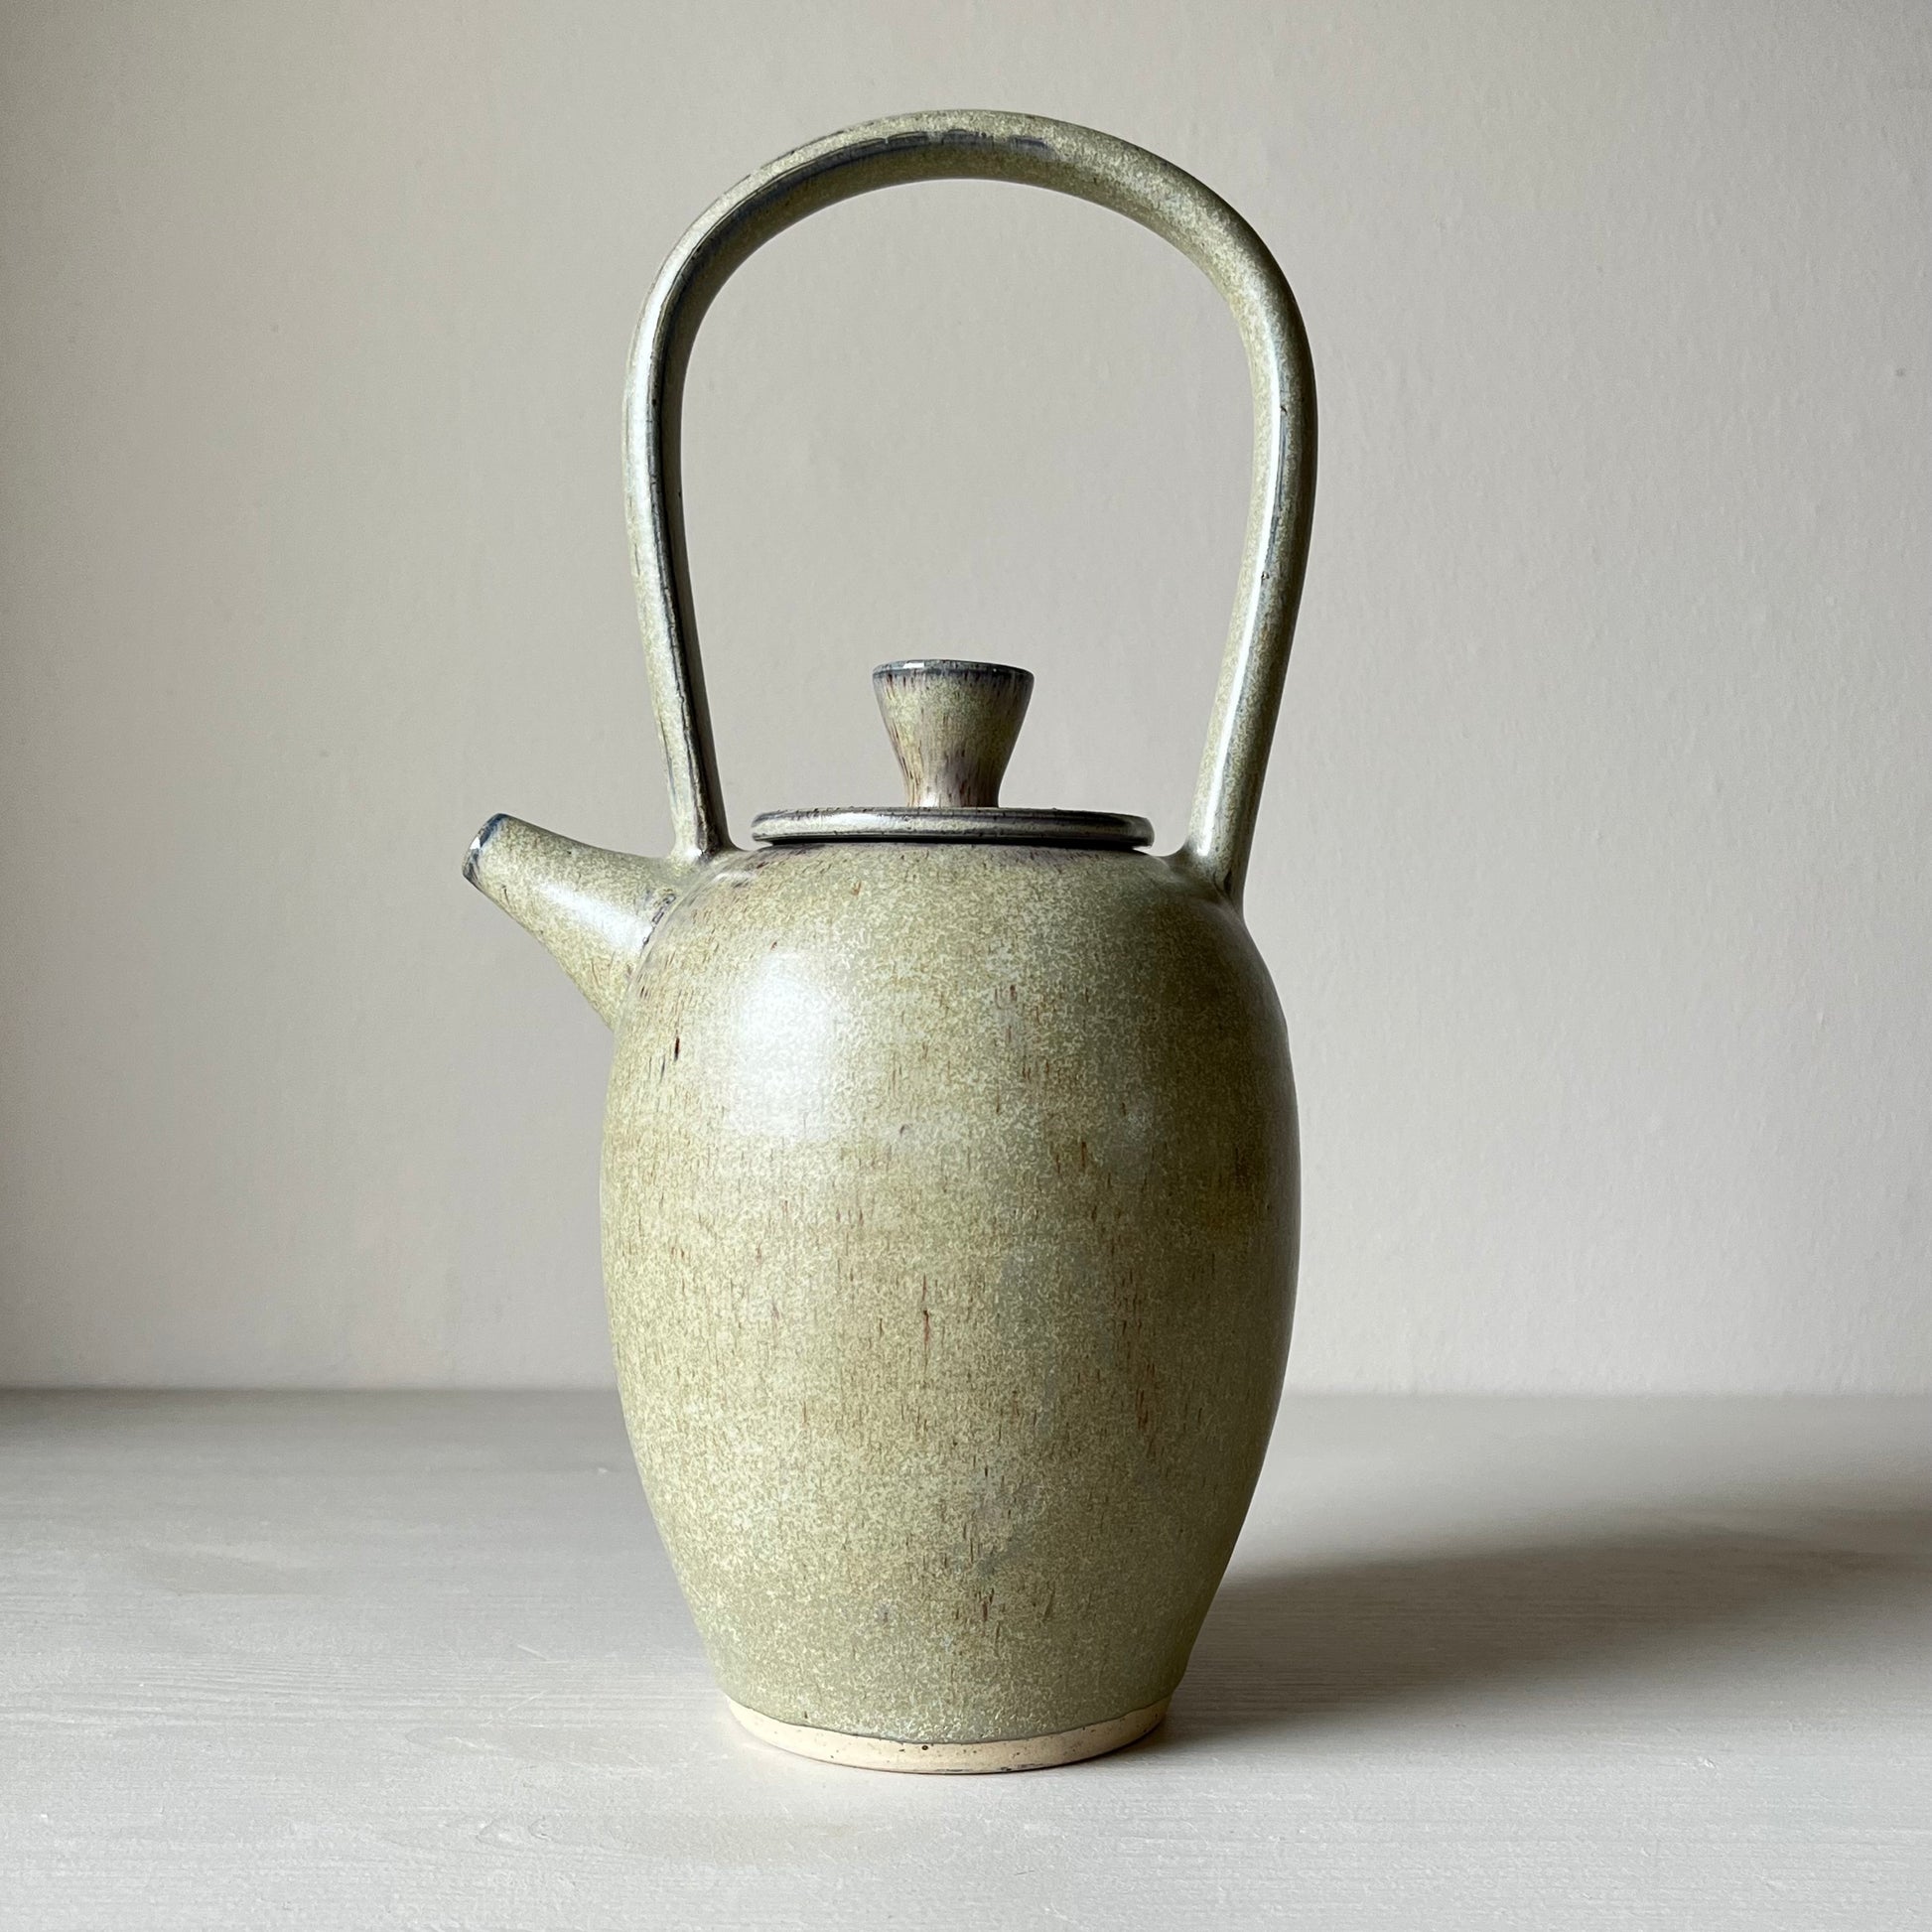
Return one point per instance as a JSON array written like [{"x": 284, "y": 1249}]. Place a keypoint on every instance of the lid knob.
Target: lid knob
[{"x": 953, "y": 725}]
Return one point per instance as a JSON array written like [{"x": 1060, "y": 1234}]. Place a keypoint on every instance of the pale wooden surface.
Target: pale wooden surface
[{"x": 330, "y": 1661}]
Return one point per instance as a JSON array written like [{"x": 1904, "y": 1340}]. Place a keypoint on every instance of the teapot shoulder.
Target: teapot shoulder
[
  {"x": 929, "y": 911},
  {"x": 841, "y": 955}
]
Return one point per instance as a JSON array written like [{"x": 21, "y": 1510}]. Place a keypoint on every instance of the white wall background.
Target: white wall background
[{"x": 1593, "y": 870}]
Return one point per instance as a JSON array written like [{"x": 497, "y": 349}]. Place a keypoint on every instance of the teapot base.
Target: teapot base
[{"x": 989, "y": 1754}]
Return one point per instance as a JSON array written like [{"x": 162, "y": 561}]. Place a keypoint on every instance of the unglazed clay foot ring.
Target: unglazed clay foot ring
[{"x": 992, "y": 1754}]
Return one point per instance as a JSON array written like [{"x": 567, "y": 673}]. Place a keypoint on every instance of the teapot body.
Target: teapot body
[{"x": 950, "y": 1223}]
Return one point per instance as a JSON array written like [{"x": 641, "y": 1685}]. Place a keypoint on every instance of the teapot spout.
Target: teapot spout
[{"x": 594, "y": 910}]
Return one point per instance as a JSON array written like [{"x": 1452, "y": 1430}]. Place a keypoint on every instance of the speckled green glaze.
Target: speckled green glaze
[
  {"x": 949, "y": 1217},
  {"x": 950, "y": 1164}
]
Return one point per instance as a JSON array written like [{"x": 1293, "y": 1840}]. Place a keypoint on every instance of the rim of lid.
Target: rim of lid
[{"x": 954, "y": 824}]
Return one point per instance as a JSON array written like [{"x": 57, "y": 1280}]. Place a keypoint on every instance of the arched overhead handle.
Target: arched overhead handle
[{"x": 1077, "y": 161}]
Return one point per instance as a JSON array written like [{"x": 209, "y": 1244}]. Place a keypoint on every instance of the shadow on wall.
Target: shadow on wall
[{"x": 1287, "y": 1647}]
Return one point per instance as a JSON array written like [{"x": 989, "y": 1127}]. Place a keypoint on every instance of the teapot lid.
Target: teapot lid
[{"x": 953, "y": 725}]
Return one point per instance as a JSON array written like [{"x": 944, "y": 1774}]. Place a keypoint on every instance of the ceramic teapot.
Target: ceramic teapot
[{"x": 950, "y": 1165}]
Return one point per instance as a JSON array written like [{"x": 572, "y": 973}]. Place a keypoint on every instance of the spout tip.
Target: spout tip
[
  {"x": 593, "y": 909},
  {"x": 491, "y": 826}
]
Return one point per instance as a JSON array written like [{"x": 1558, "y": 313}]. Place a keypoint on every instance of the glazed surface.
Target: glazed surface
[{"x": 950, "y": 1223}]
